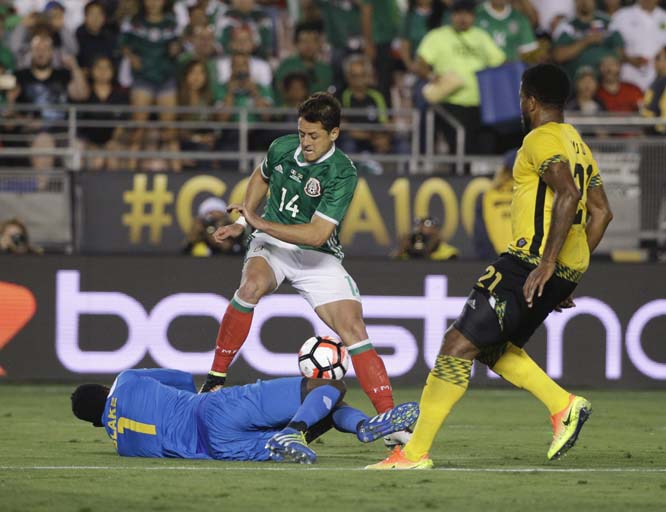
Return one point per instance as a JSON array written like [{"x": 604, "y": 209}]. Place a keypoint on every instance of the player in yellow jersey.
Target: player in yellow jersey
[{"x": 559, "y": 214}]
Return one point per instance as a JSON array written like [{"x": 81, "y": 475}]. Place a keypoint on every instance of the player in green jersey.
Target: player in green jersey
[{"x": 311, "y": 184}]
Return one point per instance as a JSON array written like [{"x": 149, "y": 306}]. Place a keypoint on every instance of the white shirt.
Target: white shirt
[
  {"x": 73, "y": 10},
  {"x": 549, "y": 9},
  {"x": 260, "y": 71},
  {"x": 644, "y": 35}
]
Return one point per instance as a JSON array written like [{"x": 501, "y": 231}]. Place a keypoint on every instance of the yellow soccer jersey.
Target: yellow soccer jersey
[{"x": 532, "y": 202}]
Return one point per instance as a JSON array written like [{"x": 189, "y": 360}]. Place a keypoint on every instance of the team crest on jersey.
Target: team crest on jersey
[
  {"x": 313, "y": 188},
  {"x": 522, "y": 243},
  {"x": 278, "y": 168}
]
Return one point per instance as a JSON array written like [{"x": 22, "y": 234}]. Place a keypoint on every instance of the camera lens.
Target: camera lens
[{"x": 19, "y": 239}]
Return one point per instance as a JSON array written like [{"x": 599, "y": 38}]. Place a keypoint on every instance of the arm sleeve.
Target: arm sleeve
[
  {"x": 494, "y": 54},
  {"x": 544, "y": 149},
  {"x": 595, "y": 178},
  {"x": 428, "y": 49},
  {"x": 527, "y": 42},
  {"x": 269, "y": 160},
  {"x": 174, "y": 378},
  {"x": 337, "y": 198}
]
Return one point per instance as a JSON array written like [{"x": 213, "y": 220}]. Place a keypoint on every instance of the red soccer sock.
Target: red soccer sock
[
  {"x": 371, "y": 375},
  {"x": 233, "y": 331}
]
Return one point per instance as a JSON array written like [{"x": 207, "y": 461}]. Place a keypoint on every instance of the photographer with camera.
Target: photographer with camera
[
  {"x": 211, "y": 215},
  {"x": 14, "y": 238},
  {"x": 425, "y": 242}
]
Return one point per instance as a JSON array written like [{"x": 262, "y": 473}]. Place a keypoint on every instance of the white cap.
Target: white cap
[{"x": 212, "y": 204}]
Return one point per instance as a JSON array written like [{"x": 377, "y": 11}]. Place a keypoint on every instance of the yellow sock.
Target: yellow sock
[
  {"x": 520, "y": 370},
  {"x": 445, "y": 385}
]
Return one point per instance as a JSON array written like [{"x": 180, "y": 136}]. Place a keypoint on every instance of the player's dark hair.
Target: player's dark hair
[
  {"x": 321, "y": 107},
  {"x": 88, "y": 401},
  {"x": 295, "y": 76},
  {"x": 548, "y": 84},
  {"x": 308, "y": 26}
]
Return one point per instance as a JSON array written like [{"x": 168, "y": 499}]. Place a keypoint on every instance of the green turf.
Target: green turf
[{"x": 490, "y": 429}]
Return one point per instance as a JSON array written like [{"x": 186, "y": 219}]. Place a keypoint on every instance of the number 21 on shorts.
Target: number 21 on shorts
[{"x": 490, "y": 279}]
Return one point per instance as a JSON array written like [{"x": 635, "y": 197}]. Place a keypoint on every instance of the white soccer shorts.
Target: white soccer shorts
[{"x": 320, "y": 278}]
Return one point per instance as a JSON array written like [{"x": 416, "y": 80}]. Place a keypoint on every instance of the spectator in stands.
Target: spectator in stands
[
  {"x": 308, "y": 40},
  {"x": 199, "y": 13},
  {"x": 94, "y": 38},
  {"x": 104, "y": 91},
  {"x": 150, "y": 42},
  {"x": 643, "y": 28},
  {"x": 52, "y": 20},
  {"x": 380, "y": 20},
  {"x": 413, "y": 29},
  {"x": 194, "y": 90},
  {"x": 492, "y": 217},
  {"x": 199, "y": 44},
  {"x": 585, "y": 39},
  {"x": 584, "y": 100},
  {"x": 342, "y": 25},
  {"x": 552, "y": 13},
  {"x": 296, "y": 89},
  {"x": 212, "y": 214},
  {"x": 612, "y": 6},
  {"x": 655, "y": 97},
  {"x": 7, "y": 61},
  {"x": 44, "y": 84},
  {"x": 14, "y": 238},
  {"x": 242, "y": 43},
  {"x": 246, "y": 14},
  {"x": 425, "y": 242},
  {"x": 615, "y": 95},
  {"x": 448, "y": 58},
  {"x": 509, "y": 28},
  {"x": 241, "y": 92},
  {"x": 359, "y": 95}
]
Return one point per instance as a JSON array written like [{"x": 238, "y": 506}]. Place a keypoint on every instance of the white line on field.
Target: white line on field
[{"x": 315, "y": 468}]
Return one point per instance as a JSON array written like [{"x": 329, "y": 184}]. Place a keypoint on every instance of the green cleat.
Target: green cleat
[{"x": 567, "y": 425}]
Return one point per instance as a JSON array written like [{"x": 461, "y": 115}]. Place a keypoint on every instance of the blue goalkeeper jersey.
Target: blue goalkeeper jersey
[{"x": 153, "y": 413}]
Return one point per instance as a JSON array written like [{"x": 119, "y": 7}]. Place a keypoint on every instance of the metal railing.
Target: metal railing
[{"x": 67, "y": 123}]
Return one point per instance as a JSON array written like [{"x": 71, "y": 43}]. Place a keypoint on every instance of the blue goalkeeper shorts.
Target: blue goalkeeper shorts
[{"x": 235, "y": 423}]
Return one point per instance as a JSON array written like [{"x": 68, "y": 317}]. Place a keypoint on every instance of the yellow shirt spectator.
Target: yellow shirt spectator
[{"x": 463, "y": 53}]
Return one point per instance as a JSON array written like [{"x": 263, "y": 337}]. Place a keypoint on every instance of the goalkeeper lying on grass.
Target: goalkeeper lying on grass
[{"x": 157, "y": 413}]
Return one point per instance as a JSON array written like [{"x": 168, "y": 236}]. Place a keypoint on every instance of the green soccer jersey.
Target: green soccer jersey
[
  {"x": 342, "y": 21},
  {"x": 150, "y": 42},
  {"x": 298, "y": 190},
  {"x": 510, "y": 30},
  {"x": 574, "y": 30}
]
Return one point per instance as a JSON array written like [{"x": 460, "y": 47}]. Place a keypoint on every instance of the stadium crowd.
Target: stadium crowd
[{"x": 375, "y": 55}]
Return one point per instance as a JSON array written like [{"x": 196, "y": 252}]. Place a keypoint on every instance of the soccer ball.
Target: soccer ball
[{"x": 322, "y": 357}]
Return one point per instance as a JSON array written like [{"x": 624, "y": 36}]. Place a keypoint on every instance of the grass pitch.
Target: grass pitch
[{"x": 489, "y": 456}]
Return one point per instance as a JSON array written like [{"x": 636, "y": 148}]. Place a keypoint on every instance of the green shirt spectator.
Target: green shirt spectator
[
  {"x": 342, "y": 22},
  {"x": 253, "y": 18},
  {"x": 510, "y": 29},
  {"x": 385, "y": 20},
  {"x": 307, "y": 39},
  {"x": 464, "y": 53},
  {"x": 6, "y": 58},
  {"x": 150, "y": 42},
  {"x": 585, "y": 40}
]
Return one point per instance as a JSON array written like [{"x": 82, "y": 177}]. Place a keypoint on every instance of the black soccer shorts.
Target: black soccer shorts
[{"x": 496, "y": 311}]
